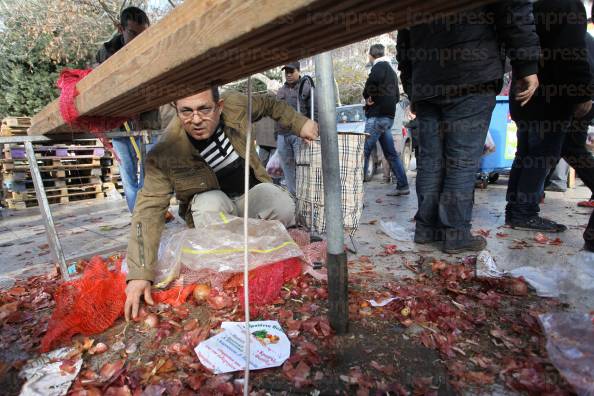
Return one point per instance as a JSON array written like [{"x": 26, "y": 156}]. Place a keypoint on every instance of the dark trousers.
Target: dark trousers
[
  {"x": 540, "y": 142},
  {"x": 575, "y": 153},
  {"x": 451, "y": 132}
]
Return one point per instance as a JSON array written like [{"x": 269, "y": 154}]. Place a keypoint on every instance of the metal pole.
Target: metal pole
[
  {"x": 46, "y": 214},
  {"x": 337, "y": 260}
]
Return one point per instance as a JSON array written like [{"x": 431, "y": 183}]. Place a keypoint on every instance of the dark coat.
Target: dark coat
[
  {"x": 382, "y": 87},
  {"x": 459, "y": 53},
  {"x": 564, "y": 72}
]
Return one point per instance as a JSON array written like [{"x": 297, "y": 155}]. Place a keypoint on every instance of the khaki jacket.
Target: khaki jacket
[{"x": 175, "y": 166}]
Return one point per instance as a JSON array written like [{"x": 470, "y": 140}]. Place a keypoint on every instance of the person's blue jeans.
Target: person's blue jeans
[
  {"x": 452, "y": 133},
  {"x": 380, "y": 129},
  {"x": 132, "y": 180},
  {"x": 288, "y": 147}
]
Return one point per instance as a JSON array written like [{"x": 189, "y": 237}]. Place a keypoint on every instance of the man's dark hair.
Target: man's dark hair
[
  {"x": 214, "y": 90},
  {"x": 134, "y": 14},
  {"x": 376, "y": 50}
]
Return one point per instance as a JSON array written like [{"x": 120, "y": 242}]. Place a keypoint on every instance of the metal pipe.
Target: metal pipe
[
  {"x": 46, "y": 213},
  {"x": 337, "y": 262}
]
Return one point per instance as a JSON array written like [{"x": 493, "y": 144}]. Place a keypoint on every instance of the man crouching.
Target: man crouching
[{"x": 201, "y": 158}]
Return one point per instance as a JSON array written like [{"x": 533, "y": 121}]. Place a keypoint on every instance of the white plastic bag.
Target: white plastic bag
[
  {"x": 570, "y": 346},
  {"x": 489, "y": 144},
  {"x": 274, "y": 167},
  {"x": 215, "y": 248},
  {"x": 394, "y": 231}
]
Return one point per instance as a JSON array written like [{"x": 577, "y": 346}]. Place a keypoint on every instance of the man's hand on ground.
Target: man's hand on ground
[
  {"x": 582, "y": 109},
  {"x": 526, "y": 86},
  {"x": 134, "y": 290},
  {"x": 369, "y": 101},
  {"x": 309, "y": 131}
]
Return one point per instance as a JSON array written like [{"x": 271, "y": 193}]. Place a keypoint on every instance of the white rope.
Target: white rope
[{"x": 246, "y": 292}]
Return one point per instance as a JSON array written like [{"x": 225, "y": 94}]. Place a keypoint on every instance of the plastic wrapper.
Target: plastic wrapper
[
  {"x": 570, "y": 346},
  {"x": 489, "y": 144},
  {"x": 213, "y": 251},
  {"x": 397, "y": 232},
  {"x": 274, "y": 167}
]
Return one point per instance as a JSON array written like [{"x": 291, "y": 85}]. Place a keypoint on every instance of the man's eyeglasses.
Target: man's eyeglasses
[{"x": 203, "y": 112}]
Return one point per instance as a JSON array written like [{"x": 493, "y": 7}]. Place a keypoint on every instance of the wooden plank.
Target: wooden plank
[{"x": 204, "y": 42}]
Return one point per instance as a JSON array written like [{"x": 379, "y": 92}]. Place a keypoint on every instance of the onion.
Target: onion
[
  {"x": 151, "y": 320},
  {"x": 219, "y": 302},
  {"x": 99, "y": 348},
  {"x": 201, "y": 292},
  {"x": 518, "y": 287}
]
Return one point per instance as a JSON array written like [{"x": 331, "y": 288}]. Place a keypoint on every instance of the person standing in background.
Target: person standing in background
[
  {"x": 287, "y": 144},
  {"x": 133, "y": 21},
  {"x": 452, "y": 69},
  {"x": 381, "y": 95}
]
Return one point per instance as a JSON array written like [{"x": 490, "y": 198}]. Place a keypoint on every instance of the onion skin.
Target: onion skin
[
  {"x": 151, "y": 320},
  {"x": 518, "y": 287},
  {"x": 201, "y": 292}
]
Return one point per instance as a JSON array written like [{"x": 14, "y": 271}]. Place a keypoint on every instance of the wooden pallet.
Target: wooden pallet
[
  {"x": 25, "y": 174},
  {"x": 23, "y": 122},
  {"x": 54, "y": 163},
  {"x": 15, "y": 126},
  {"x": 18, "y": 151},
  {"x": 18, "y": 185},
  {"x": 65, "y": 194}
]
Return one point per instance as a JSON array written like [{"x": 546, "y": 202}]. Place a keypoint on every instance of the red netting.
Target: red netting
[
  {"x": 67, "y": 84},
  {"x": 175, "y": 296},
  {"x": 88, "y": 305},
  {"x": 266, "y": 281},
  {"x": 92, "y": 303}
]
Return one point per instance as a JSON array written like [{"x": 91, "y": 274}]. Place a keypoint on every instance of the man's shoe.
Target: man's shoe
[
  {"x": 470, "y": 244},
  {"x": 398, "y": 192},
  {"x": 555, "y": 188},
  {"x": 589, "y": 246},
  {"x": 536, "y": 223}
]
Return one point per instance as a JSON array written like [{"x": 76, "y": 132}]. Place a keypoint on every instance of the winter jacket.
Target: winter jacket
[
  {"x": 290, "y": 94},
  {"x": 382, "y": 87},
  {"x": 460, "y": 53},
  {"x": 564, "y": 72},
  {"x": 174, "y": 165}
]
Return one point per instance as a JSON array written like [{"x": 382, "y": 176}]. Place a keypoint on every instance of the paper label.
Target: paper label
[{"x": 224, "y": 353}]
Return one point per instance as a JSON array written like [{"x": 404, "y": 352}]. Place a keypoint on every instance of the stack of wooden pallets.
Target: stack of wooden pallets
[
  {"x": 71, "y": 171},
  {"x": 15, "y": 126}
]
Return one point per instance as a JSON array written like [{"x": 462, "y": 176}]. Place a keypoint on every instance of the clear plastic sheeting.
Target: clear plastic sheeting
[
  {"x": 215, "y": 248},
  {"x": 570, "y": 346},
  {"x": 397, "y": 232},
  {"x": 572, "y": 277}
]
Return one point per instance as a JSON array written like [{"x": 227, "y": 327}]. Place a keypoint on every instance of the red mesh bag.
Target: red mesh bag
[
  {"x": 88, "y": 305},
  {"x": 266, "y": 281},
  {"x": 67, "y": 84},
  {"x": 175, "y": 296}
]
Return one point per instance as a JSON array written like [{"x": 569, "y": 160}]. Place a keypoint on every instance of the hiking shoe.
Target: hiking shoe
[
  {"x": 536, "y": 223},
  {"x": 470, "y": 244},
  {"x": 589, "y": 246},
  {"x": 398, "y": 192}
]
